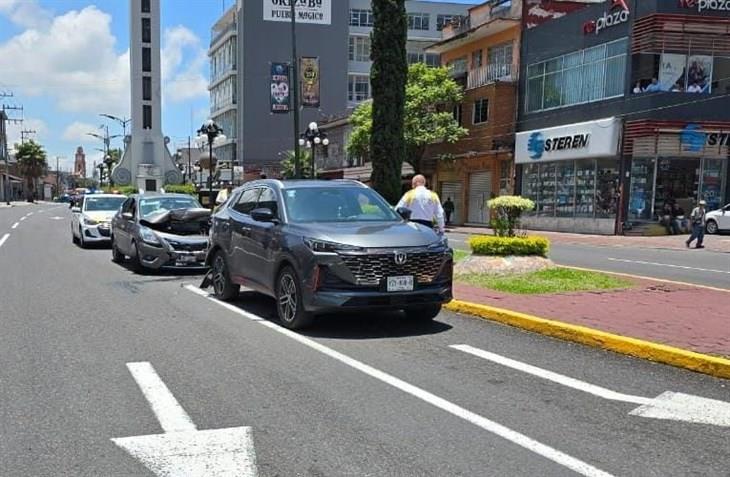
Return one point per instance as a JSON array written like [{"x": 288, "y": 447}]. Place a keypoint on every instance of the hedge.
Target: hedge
[
  {"x": 181, "y": 189},
  {"x": 503, "y": 246}
]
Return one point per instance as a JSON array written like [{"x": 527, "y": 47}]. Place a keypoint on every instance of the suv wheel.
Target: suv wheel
[
  {"x": 222, "y": 286},
  {"x": 289, "y": 304},
  {"x": 423, "y": 313},
  {"x": 117, "y": 256},
  {"x": 712, "y": 227}
]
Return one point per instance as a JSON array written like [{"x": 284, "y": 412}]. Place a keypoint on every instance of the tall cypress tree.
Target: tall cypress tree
[{"x": 388, "y": 78}]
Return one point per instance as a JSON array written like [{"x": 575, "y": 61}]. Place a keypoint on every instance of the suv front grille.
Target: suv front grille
[{"x": 372, "y": 269}]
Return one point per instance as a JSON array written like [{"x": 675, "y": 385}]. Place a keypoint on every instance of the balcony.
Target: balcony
[
  {"x": 218, "y": 33},
  {"x": 491, "y": 74}
]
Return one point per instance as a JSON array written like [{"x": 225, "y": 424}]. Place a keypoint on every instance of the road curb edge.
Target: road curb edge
[{"x": 681, "y": 358}]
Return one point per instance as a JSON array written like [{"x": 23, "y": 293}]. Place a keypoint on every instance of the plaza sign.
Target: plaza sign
[
  {"x": 618, "y": 14},
  {"x": 573, "y": 141},
  {"x": 307, "y": 11},
  {"x": 706, "y": 5}
]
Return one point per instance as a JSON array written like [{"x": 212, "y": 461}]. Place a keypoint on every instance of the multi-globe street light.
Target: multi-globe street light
[
  {"x": 312, "y": 138},
  {"x": 210, "y": 133}
]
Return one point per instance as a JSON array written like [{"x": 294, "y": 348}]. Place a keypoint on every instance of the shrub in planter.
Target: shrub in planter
[
  {"x": 181, "y": 189},
  {"x": 504, "y": 246},
  {"x": 506, "y": 212}
]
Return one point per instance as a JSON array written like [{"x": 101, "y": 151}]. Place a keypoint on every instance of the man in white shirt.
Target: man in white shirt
[{"x": 425, "y": 206}]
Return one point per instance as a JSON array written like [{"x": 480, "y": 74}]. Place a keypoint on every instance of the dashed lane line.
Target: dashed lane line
[
  {"x": 669, "y": 265},
  {"x": 2, "y": 240},
  {"x": 15, "y": 225}
]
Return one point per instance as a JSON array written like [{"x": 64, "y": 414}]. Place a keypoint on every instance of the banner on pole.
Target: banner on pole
[
  {"x": 280, "y": 102},
  {"x": 309, "y": 78}
]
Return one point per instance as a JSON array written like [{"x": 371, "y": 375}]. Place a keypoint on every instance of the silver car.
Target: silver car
[
  {"x": 161, "y": 230},
  {"x": 91, "y": 220}
]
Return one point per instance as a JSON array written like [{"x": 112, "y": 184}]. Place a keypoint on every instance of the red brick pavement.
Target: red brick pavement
[
  {"x": 717, "y": 243},
  {"x": 691, "y": 318}
]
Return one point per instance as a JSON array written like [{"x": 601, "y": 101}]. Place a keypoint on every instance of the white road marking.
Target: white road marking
[
  {"x": 2, "y": 240},
  {"x": 515, "y": 437},
  {"x": 15, "y": 225},
  {"x": 168, "y": 411},
  {"x": 23, "y": 218},
  {"x": 58, "y": 218},
  {"x": 30, "y": 213},
  {"x": 640, "y": 262},
  {"x": 184, "y": 451},
  {"x": 669, "y": 405}
]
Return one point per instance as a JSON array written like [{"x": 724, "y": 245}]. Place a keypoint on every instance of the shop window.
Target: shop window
[
  {"x": 583, "y": 76},
  {"x": 607, "y": 187},
  {"x": 641, "y": 189},
  {"x": 565, "y": 189},
  {"x": 585, "y": 187},
  {"x": 546, "y": 189},
  {"x": 505, "y": 178},
  {"x": 530, "y": 183},
  {"x": 481, "y": 111}
]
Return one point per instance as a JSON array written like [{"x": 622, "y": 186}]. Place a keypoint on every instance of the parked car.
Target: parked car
[
  {"x": 718, "y": 220},
  {"x": 161, "y": 230},
  {"x": 91, "y": 219},
  {"x": 325, "y": 246}
]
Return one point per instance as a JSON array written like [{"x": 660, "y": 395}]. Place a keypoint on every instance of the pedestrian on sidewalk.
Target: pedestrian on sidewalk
[
  {"x": 425, "y": 205},
  {"x": 697, "y": 219},
  {"x": 448, "y": 210}
]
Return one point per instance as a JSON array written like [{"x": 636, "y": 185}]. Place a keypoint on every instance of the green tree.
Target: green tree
[
  {"x": 388, "y": 79},
  {"x": 430, "y": 95},
  {"x": 32, "y": 165},
  {"x": 116, "y": 155},
  {"x": 288, "y": 170}
]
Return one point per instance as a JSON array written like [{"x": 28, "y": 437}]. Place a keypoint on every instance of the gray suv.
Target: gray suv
[{"x": 326, "y": 246}]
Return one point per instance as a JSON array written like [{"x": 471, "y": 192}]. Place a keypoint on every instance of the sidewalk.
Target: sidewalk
[
  {"x": 686, "y": 317},
  {"x": 715, "y": 243},
  {"x": 4, "y": 205}
]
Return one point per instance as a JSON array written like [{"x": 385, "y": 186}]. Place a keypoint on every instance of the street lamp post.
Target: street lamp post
[
  {"x": 109, "y": 162},
  {"x": 210, "y": 132},
  {"x": 122, "y": 121},
  {"x": 101, "y": 175},
  {"x": 312, "y": 138}
]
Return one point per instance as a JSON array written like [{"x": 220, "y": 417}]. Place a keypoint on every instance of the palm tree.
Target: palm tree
[
  {"x": 287, "y": 165},
  {"x": 32, "y": 164}
]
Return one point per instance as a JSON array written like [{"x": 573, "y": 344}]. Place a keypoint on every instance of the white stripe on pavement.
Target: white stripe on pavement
[
  {"x": 515, "y": 437},
  {"x": 23, "y": 218},
  {"x": 2, "y": 240},
  {"x": 15, "y": 225},
  {"x": 640, "y": 262},
  {"x": 168, "y": 411},
  {"x": 551, "y": 376}
]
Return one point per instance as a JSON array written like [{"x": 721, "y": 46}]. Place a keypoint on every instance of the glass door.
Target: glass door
[
  {"x": 712, "y": 187},
  {"x": 641, "y": 198}
]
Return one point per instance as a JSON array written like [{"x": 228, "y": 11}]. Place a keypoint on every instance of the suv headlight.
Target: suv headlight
[
  {"x": 90, "y": 221},
  {"x": 328, "y": 247},
  {"x": 443, "y": 242},
  {"x": 149, "y": 236}
]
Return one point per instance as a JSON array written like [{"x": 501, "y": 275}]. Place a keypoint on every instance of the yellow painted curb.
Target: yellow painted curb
[{"x": 701, "y": 363}]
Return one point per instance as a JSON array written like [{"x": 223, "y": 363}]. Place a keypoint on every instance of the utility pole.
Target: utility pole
[
  {"x": 4, "y": 153},
  {"x": 58, "y": 182},
  {"x": 26, "y": 132},
  {"x": 293, "y": 71}
]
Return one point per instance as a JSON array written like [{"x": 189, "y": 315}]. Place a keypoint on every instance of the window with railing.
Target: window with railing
[
  {"x": 458, "y": 66},
  {"x": 418, "y": 21},
  {"x": 692, "y": 71},
  {"x": 359, "y": 48},
  {"x": 476, "y": 59},
  {"x": 583, "y": 76},
  {"x": 500, "y": 55},
  {"x": 361, "y": 18}
]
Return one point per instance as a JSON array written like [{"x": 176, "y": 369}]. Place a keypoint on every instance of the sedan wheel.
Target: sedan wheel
[
  {"x": 712, "y": 227},
  {"x": 137, "y": 264},
  {"x": 117, "y": 256},
  {"x": 222, "y": 285},
  {"x": 82, "y": 242},
  {"x": 289, "y": 301}
]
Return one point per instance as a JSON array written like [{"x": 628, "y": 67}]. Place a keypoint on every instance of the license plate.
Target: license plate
[
  {"x": 187, "y": 259},
  {"x": 396, "y": 284}
]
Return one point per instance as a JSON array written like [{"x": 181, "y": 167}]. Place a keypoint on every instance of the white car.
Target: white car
[
  {"x": 718, "y": 220},
  {"x": 91, "y": 222}
]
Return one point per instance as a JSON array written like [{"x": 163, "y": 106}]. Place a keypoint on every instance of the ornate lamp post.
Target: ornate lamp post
[
  {"x": 101, "y": 174},
  {"x": 109, "y": 163},
  {"x": 210, "y": 133},
  {"x": 312, "y": 138}
]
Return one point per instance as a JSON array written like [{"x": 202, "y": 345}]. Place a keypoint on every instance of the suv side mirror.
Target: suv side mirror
[
  {"x": 76, "y": 210},
  {"x": 262, "y": 215},
  {"x": 127, "y": 215},
  {"x": 404, "y": 212}
]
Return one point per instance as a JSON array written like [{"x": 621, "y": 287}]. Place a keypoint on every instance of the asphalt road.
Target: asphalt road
[
  {"x": 367, "y": 395},
  {"x": 701, "y": 267}
]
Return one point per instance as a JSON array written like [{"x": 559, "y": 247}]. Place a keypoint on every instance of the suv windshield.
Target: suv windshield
[
  {"x": 96, "y": 204},
  {"x": 337, "y": 204},
  {"x": 158, "y": 205}
]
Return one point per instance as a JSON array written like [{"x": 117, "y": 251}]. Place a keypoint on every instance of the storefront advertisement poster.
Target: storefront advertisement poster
[
  {"x": 672, "y": 71},
  {"x": 309, "y": 71},
  {"x": 307, "y": 11},
  {"x": 280, "y": 102},
  {"x": 699, "y": 72}
]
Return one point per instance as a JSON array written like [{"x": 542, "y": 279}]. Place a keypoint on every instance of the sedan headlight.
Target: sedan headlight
[
  {"x": 149, "y": 236},
  {"x": 90, "y": 221},
  {"x": 328, "y": 247}
]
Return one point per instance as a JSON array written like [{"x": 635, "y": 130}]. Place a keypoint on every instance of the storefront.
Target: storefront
[
  {"x": 675, "y": 163},
  {"x": 572, "y": 173}
]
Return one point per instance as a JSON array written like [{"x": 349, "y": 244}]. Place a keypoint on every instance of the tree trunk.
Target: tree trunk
[{"x": 388, "y": 78}]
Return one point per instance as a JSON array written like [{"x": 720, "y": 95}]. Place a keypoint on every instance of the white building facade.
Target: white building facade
[{"x": 223, "y": 87}]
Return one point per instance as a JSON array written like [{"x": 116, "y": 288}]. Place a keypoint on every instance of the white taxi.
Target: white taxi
[
  {"x": 718, "y": 220},
  {"x": 91, "y": 220}
]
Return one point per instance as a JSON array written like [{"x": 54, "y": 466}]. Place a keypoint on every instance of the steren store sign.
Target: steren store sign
[{"x": 307, "y": 11}]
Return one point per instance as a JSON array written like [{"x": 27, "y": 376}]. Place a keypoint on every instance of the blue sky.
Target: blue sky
[{"x": 66, "y": 62}]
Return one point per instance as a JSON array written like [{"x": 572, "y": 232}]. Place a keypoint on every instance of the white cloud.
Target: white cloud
[
  {"x": 182, "y": 82},
  {"x": 38, "y": 126},
  {"x": 77, "y": 132},
  {"x": 26, "y": 13}
]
